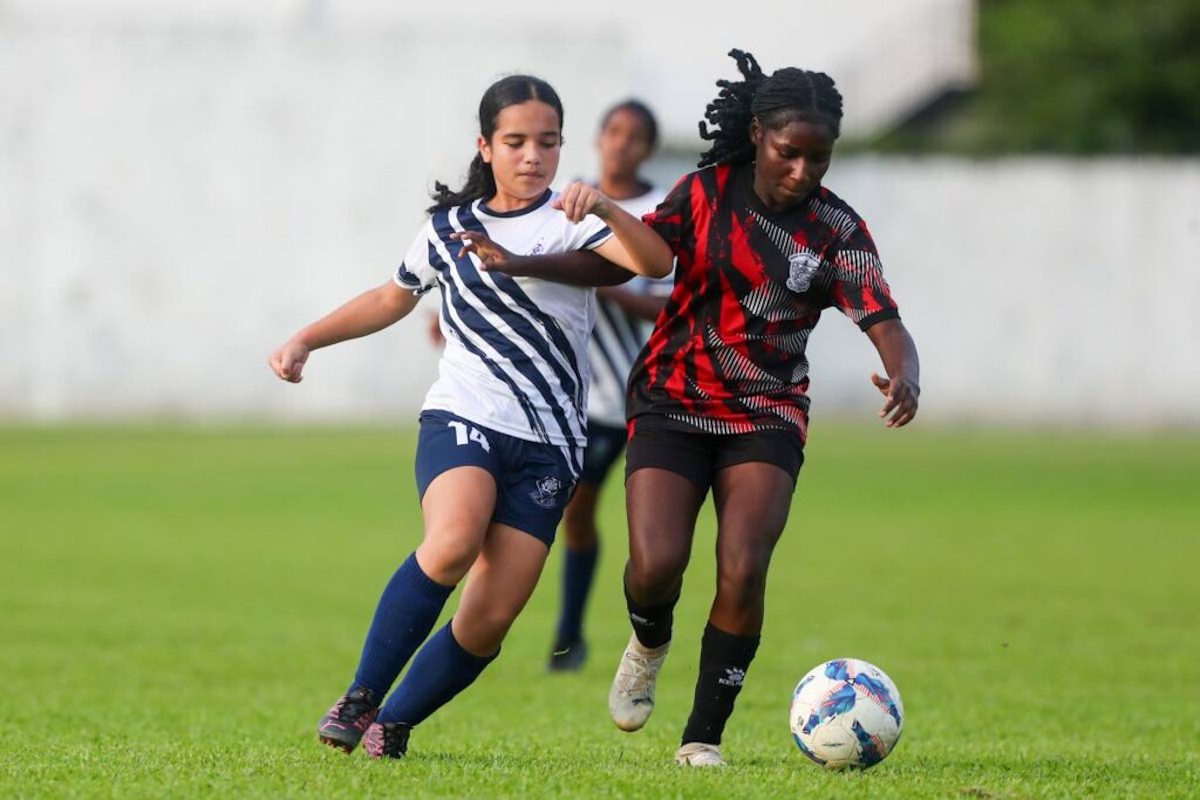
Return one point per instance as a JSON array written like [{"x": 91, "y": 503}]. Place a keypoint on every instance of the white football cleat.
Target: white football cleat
[
  {"x": 631, "y": 698},
  {"x": 699, "y": 754}
]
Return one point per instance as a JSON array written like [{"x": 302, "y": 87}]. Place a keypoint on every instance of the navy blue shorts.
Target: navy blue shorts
[
  {"x": 604, "y": 447},
  {"x": 533, "y": 480}
]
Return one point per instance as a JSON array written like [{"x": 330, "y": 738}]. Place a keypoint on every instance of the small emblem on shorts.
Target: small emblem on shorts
[
  {"x": 802, "y": 268},
  {"x": 546, "y": 493}
]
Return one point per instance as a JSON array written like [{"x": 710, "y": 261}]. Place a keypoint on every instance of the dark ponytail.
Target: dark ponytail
[
  {"x": 480, "y": 183},
  {"x": 787, "y": 95}
]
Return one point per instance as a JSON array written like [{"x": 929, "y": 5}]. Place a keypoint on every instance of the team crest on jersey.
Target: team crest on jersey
[
  {"x": 802, "y": 268},
  {"x": 546, "y": 493}
]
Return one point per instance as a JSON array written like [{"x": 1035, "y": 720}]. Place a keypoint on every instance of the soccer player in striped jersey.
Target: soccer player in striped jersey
[
  {"x": 625, "y": 313},
  {"x": 718, "y": 399},
  {"x": 503, "y": 426}
]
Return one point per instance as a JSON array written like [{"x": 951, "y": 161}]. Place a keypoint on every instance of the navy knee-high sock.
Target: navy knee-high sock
[
  {"x": 579, "y": 567},
  {"x": 407, "y": 610},
  {"x": 440, "y": 671}
]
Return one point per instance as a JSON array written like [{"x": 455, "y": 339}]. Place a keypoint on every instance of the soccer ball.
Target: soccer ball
[{"x": 846, "y": 713}]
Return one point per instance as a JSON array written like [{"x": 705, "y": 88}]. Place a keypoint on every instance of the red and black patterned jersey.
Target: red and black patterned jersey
[{"x": 727, "y": 352}]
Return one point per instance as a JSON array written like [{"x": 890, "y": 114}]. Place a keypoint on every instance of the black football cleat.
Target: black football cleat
[
  {"x": 349, "y": 719},
  {"x": 387, "y": 740}
]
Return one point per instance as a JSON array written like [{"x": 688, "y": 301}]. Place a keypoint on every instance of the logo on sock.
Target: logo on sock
[{"x": 733, "y": 677}]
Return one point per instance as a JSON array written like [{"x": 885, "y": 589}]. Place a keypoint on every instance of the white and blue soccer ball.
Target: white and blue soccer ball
[{"x": 846, "y": 714}]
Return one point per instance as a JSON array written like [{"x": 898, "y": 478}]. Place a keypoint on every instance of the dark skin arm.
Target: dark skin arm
[
  {"x": 640, "y": 306},
  {"x": 576, "y": 268},
  {"x": 902, "y": 387}
]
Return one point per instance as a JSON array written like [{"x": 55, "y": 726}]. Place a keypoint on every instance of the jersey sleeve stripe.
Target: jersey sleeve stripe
[{"x": 598, "y": 238}]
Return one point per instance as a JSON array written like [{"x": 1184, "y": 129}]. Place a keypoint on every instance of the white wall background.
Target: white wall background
[{"x": 182, "y": 184}]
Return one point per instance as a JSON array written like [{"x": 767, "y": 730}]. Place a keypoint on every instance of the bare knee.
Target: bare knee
[
  {"x": 655, "y": 577},
  {"x": 483, "y": 630},
  {"x": 446, "y": 557},
  {"x": 742, "y": 581}
]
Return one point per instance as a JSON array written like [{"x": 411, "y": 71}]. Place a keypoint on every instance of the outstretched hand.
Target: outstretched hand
[
  {"x": 491, "y": 255},
  {"x": 580, "y": 199},
  {"x": 288, "y": 361},
  {"x": 901, "y": 402}
]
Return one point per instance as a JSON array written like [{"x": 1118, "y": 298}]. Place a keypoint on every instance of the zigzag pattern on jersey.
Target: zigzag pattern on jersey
[
  {"x": 797, "y": 417},
  {"x": 711, "y": 425},
  {"x": 741, "y": 375},
  {"x": 857, "y": 266},
  {"x": 841, "y": 222},
  {"x": 778, "y": 236},
  {"x": 771, "y": 301}
]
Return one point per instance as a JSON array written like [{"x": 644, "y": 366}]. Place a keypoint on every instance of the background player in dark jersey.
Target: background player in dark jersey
[
  {"x": 718, "y": 399},
  {"x": 627, "y": 138}
]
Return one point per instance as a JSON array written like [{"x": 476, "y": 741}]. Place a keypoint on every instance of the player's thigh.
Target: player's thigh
[
  {"x": 456, "y": 481},
  {"x": 752, "y": 501},
  {"x": 661, "y": 506},
  {"x": 499, "y": 585}
]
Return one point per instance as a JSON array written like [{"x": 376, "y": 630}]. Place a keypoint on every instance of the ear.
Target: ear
[
  {"x": 485, "y": 149},
  {"x": 756, "y": 132}
]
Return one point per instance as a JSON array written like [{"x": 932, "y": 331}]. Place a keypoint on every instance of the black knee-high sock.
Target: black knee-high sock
[
  {"x": 724, "y": 659},
  {"x": 651, "y": 623}
]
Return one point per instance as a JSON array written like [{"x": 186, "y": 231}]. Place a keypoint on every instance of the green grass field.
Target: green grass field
[{"x": 180, "y": 607}]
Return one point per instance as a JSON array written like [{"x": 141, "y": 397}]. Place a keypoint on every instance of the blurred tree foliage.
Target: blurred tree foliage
[{"x": 1072, "y": 76}]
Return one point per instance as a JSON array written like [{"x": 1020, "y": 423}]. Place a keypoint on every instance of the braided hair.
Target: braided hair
[
  {"x": 510, "y": 91},
  {"x": 787, "y": 95}
]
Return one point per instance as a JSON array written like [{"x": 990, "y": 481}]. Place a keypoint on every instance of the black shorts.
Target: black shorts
[
  {"x": 698, "y": 456},
  {"x": 605, "y": 443}
]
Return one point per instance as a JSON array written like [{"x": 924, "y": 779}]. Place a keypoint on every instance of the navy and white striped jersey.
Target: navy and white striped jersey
[
  {"x": 515, "y": 358},
  {"x": 618, "y": 337}
]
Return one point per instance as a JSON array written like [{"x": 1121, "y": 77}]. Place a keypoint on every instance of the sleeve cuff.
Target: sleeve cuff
[
  {"x": 878, "y": 316},
  {"x": 598, "y": 238},
  {"x": 406, "y": 280}
]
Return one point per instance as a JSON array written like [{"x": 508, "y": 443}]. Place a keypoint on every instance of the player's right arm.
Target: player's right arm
[{"x": 371, "y": 311}]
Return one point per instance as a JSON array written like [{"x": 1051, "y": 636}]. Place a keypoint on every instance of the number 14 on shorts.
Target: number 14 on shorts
[{"x": 465, "y": 434}]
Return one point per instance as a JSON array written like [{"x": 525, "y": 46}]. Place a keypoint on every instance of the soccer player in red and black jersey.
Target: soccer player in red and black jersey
[{"x": 718, "y": 397}]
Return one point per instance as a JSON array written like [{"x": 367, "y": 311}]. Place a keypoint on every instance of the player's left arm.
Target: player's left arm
[
  {"x": 860, "y": 292},
  {"x": 902, "y": 386}
]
